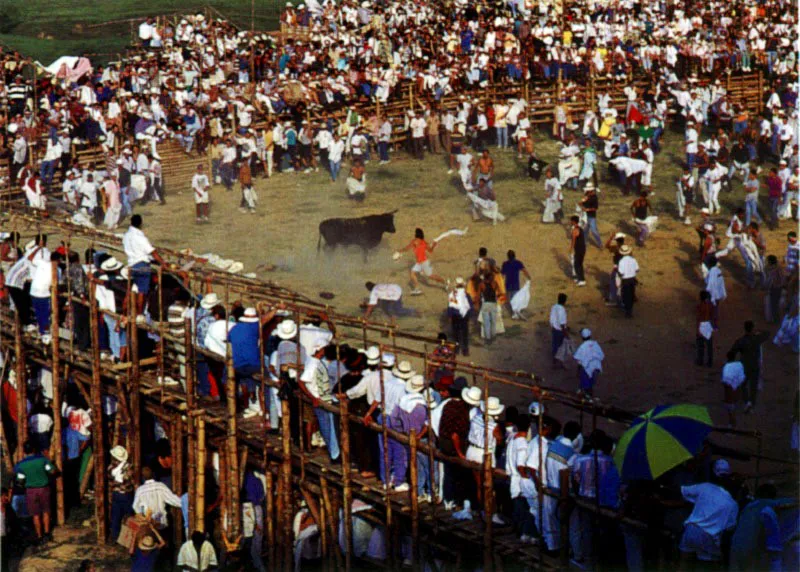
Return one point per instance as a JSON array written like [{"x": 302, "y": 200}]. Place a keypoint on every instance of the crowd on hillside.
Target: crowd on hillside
[{"x": 245, "y": 101}]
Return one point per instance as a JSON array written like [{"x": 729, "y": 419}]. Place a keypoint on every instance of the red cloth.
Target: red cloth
[
  {"x": 635, "y": 115},
  {"x": 10, "y": 399}
]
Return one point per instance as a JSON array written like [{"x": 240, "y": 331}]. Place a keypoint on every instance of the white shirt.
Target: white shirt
[
  {"x": 536, "y": 457},
  {"x": 154, "y": 495},
  {"x": 200, "y": 186},
  {"x": 691, "y": 140},
  {"x": 145, "y": 31},
  {"x": 714, "y": 511},
  {"x": 335, "y": 151},
  {"x": 558, "y": 317},
  {"x": 390, "y": 292},
  {"x": 136, "y": 245},
  {"x": 418, "y": 125},
  {"x": 216, "y": 337},
  {"x": 41, "y": 276},
  {"x": 628, "y": 267},
  {"x": 516, "y": 454},
  {"x": 88, "y": 193}
]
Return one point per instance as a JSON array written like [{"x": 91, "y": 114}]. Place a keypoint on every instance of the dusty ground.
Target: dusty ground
[{"x": 649, "y": 360}]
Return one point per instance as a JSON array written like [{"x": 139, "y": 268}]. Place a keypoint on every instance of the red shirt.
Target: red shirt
[{"x": 774, "y": 185}]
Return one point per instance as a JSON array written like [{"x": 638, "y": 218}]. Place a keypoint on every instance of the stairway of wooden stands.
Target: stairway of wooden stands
[{"x": 198, "y": 426}]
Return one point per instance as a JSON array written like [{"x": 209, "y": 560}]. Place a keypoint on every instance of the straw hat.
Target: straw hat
[
  {"x": 209, "y": 301},
  {"x": 250, "y": 316},
  {"x": 586, "y": 333},
  {"x": 625, "y": 249},
  {"x": 471, "y": 395},
  {"x": 111, "y": 264},
  {"x": 494, "y": 405},
  {"x": 286, "y": 330},
  {"x": 415, "y": 384},
  {"x": 147, "y": 543},
  {"x": 388, "y": 360},
  {"x": 403, "y": 370},
  {"x": 119, "y": 453},
  {"x": 459, "y": 281},
  {"x": 373, "y": 354}
]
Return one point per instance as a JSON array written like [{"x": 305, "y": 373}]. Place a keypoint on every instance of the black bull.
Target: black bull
[{"x": 365, "y": 231}]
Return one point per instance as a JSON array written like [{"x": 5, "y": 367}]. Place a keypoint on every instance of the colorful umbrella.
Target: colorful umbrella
[{"x": 661, "y": 439}]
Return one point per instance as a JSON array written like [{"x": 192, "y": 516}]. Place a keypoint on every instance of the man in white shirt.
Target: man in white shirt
[
  {"x": 627, "y": 269},
  {"x": 154, "y": 496},
  {"x": 384, "y": 138},
  {"x": 417, "y": 126},
  {"x": 335, "y": 152},
  {"x": 20, "y": 150},
  {"x": 87, "y": 193},
  {"x": 558, "y": 327},
  {"x": 228, "y": 165},
  {"x": 41, "y": 283},
  {"x": 146, "y": 32},
  {"x": 200, "y": 186},
  {"x": 139, "y": 252},
  {"x": 389, "y": 297}
]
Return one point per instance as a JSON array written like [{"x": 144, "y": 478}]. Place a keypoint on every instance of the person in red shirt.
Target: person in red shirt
[
  {"x": 775, "y": 194},
  {"x": 422, "y": 264}
]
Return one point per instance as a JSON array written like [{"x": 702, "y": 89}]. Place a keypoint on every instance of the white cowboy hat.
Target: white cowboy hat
[
  {"x": 471, "y": 395},
  {"x": 403, "y": 370},
  {"x": 459, "y": 281},
  {"x": 625, "y": 249},
  {"x": 250, "y": 316},
  {"x": 619, "y": 235},
  {"x": 286, "y": 330},
  {"x": 111, "y": 264},
  {"x": 373, "y": 354},
  {"x": 494, "y": 405},
  {"x": 415, "y": 384},
  {"x": 388, "y": 360},
  {"x": 209, "y": 301},
  {"x": 119, "y": 453},
  {"x": 586, "y": 333}
]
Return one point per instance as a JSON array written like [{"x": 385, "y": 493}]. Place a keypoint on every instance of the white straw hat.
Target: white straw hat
[
  {"x": 415, "y": 384},
  {"x": 286, "y": 330},
  {"x": 494, "y": 405},
  {"x": 403, "y": 370},
  {"x": 471, "y": 395}
]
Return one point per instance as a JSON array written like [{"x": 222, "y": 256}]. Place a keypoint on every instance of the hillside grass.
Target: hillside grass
[{"x": 47, "y": 29}]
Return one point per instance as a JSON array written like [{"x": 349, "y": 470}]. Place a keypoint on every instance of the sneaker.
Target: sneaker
[
  {"x": 401, "y": 488},
  {"x": 46, "y": 339},
  {"x": 198, "y": 219},
  {"x": 30, "y": 328},
  {"x": 687, "y": 221},
  {"x": 497, "y": 519},
  {"x": 581, "y": 283},
  {"x": 449, "y": 505},
  {"x": 416, "y": 292},
  {"x": 449, "y": 171},
  {"x": 524, "y": 538},
  {"x": 424, "y": 498}
]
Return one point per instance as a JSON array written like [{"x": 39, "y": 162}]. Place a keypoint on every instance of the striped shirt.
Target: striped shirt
[
  {"x": 18, "y": 92},
  {"x": 792, "y": 256},
  {"x": 583, "y": 473},
  {"x": 155, "y": 496}
]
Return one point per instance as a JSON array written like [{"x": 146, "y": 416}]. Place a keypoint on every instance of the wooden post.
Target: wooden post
[
  {"x": 347, "y": 492},
  {"x": 563, "y": 520},
  {"x": 286, "y": 487},
  {"x": 22, "y": 389},
  {"x": 98, "y": 444},
  {"x": 200, "y": 497},
  {"x": 488, "y": 509},
  {"x": 188, "y": 344},
  {"x": 177, "y": 475},
  {"x": 322, "y": 523},
  {"x": 56, "y": 371},
  {"x": 414, "y": 481},
  {"x": 387, "y": 499},
  {"x": 133, "y": 383},
  {"x": 191, "y": 466},
  {"x": 232, "y": 453}
]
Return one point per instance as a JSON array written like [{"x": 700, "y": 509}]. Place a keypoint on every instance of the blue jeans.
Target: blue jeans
[
  {"x": 121, "y": 506},
  {"x": 327, "y": 427},
  {"x": 751, "y": 211},
  {"x": 226, "y": 171},
  {"x": 46, "y": 171},
  {"x": 591, "y": 229},
  {"x": 557, "y": 339},
  {"x": 126, "y": 202},
  {"x": 335, "y": 167},
  {"x": 116, "y": 340},
  {"x": 398, "y": 460},
  {"x": 502, "y": 137},
  {"x": 215, "y": 163},
  {"x": 244, "y": 377},
  {"x": 586, "y": 381},
  {"x": 489, "y": 313},
  {"x": 774, "y": 206},
  {"x": 423, "y": 474},
  {"x": 383, "y": 150},
  {"x": 41, "y": 308},
  {"x": 381, "y": 464}
]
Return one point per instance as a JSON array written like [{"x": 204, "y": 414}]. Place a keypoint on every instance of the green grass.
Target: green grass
[{"x": 47, "y": 29}]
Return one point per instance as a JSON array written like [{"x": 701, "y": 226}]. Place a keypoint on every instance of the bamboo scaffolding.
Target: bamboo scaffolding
[
  {"x": 269, "y": 518},
  {"x": 201, "y": 460},
  {"x": 22, "y": 387},
  {"x": 231, "y": 451},
  {"x": 285, "y": 498}
]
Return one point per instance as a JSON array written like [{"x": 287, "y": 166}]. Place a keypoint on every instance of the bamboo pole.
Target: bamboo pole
[
  {"x": 133, "y": 383},
  {"x": 200, "y": 498},
  {"x": 386, "y": 469},
  {"x": 413, "y": 477},
  {"x": 87, "y": 477},
  {"x": 177, "y": 475},
  {"x": 22, "y": 389},
  {"x": 488, "y": 509},
  {"x": 98, "y": 443},
  {"x": 225, "y": 511},
  {"x": 322, "y": 521},
  {"x": 286, "y": 487},
  {"x": 191, "y": 466},
  {"x": 347, "y": 487},
  {"x": 231, "y": 451},
  {"x": 188, "y": 344},
  {"x": 56, "y": 371}
]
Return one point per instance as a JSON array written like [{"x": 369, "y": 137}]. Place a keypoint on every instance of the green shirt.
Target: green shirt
[{"x": 33, "y": 467}]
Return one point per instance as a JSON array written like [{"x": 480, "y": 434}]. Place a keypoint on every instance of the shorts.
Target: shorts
[
  {"x": 140, "y": 275},
  {"x": 697, "y": 541},
  {"x": 688, "y": 197},
  {"x": 423, "y": 267},
  {"x": 455, "y": 149},
  {"x": 38, "y": 500}
]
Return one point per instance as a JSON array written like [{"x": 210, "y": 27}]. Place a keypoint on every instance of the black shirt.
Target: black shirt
[{"x": 591, "y": 202}]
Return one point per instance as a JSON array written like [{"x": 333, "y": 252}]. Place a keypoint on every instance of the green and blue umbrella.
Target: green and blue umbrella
[{"x": 661, "y": 439}]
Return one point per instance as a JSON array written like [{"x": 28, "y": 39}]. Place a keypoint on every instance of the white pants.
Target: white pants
[
  {"x": 112, "y": 216},
  {"x": 713, "y": 198}
]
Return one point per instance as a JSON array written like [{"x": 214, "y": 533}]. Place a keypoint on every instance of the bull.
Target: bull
[{"x": 365, "y": 231}]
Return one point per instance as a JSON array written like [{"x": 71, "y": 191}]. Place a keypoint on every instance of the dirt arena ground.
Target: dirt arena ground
[{"x": 649, "y": 360}]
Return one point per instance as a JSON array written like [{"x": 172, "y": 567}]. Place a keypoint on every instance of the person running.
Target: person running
[{"x": 422, "y": 263}]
